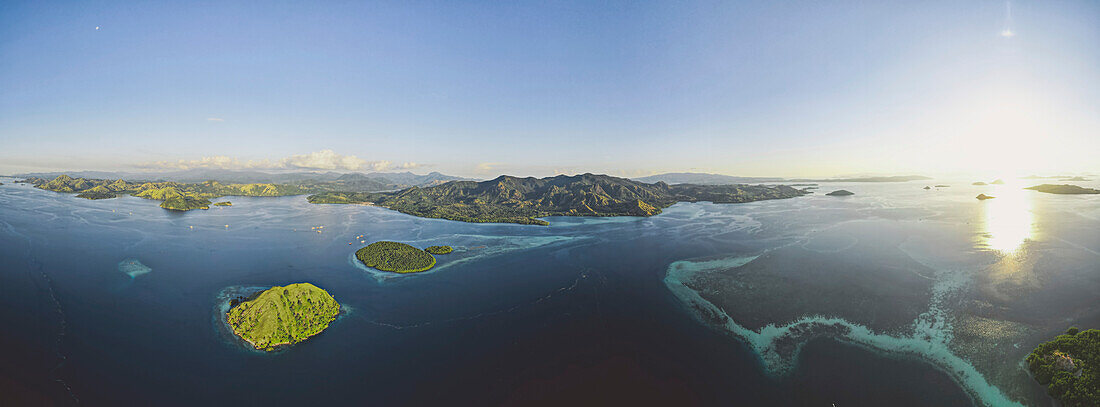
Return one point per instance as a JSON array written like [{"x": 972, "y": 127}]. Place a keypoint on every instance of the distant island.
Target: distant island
[
  {"x": 1069, "y": 367},
  {"x": 283, "y": 315},
  {"x": 1058, "y": 177},
  {"x": 720, "y": 179},
  {"x": 982, "y": 197},
  {"x": 396, "y": 257},
  {"x": 703, "y": 179},
  {"x": 223, "y": 203},
  {"x": 173, "y": 195},
  {"x": 979, "y": 183},
  {"x": 1065, "y": 189},
  {"x": 508, "y": 199},
  {"x": 350, "y": 181},
  {"x": 439, "y": 249},
  {"x": 187, "y": 196},
  {"x": 896, "y": 178},
  {"x": 841, "y": 192}
]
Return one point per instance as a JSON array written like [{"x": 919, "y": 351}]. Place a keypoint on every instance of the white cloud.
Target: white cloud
[
  {"x": 486, "y": 168},
  {"x": 215, "y": 119},
  {"x": 317, "y": 160}
]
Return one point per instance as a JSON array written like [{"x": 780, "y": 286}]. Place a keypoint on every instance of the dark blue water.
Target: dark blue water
[{"x": 577, "y": 312}]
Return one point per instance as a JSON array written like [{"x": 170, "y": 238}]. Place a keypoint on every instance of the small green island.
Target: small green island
[
  {"x": 396, "y": 257},
  {"x": 223, "y": 203},
  {"x": 439, "y": 249},
  {"x": 841, "y": 192},
  {"x": 982, "y": 197},
  {"x": 283, "y": 315},
  {"x": 1069, "y": 366},
  {"x": 1064, "y": 189}
]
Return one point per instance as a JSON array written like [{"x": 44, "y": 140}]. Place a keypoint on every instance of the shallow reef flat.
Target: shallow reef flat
[{"x": 133, "y": 267}]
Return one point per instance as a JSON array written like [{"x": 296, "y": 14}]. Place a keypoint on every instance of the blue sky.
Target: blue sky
[{"x": 788, "y": 88}]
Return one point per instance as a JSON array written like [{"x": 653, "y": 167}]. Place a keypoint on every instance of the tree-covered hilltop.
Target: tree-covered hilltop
[
  {"x": 185, "y": 203},
  {"x": 283, "y": 315},
  {"x": 395, "y": 257},
  {"x": 1069, "y": 366},
  {"x": 509, "y": 199}
]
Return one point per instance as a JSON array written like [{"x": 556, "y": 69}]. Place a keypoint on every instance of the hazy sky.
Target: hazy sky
[{"x": 782, "y": 88}]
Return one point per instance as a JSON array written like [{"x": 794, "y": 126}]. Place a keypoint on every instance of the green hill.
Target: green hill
[
  {"x": 185, "y": 203},
  {"x": 283, "y": 315},
  {"x": 509, "y": 199}
]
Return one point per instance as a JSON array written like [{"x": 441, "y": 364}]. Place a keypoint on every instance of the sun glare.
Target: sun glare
[{"x": 1007, "y": 219}]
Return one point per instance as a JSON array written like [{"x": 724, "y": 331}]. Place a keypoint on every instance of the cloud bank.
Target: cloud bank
[{"x": 317, "y": 160}]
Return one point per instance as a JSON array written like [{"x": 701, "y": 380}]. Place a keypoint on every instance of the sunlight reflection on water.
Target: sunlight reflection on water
[{"x": 1008, "y": 220}]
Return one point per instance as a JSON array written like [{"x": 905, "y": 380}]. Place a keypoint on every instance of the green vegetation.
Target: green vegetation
[
  {"x": 523, "y": 200},
  {"x": 1069, "y": 366},
  {"x": 223, "y": 203},
  {"x": 841, "y": 192},
  {"x": 283, "y": 315},
  {"x": 185, "y": 203},
  {"x": 175, "y": 196},
  {"x": 439, "y": 249},
  {"x": 1065, "y": 189},
  {"x": 97, "y": 192},
  {"x": 395, "y": 257}
]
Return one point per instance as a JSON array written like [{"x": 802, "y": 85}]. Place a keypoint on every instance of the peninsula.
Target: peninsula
[
  {"x": 283, "y": 315},
  {"x": 508, "y": 199},
  {"x": 174, "y": 195},
  {"x": 1065, "y": 189}
]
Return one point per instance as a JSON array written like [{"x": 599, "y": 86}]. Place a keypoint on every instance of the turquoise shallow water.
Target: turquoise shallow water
[{"x": 585, "y": 309}]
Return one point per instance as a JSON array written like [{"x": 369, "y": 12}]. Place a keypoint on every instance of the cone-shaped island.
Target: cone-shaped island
[{"x": 283, "y": 315}]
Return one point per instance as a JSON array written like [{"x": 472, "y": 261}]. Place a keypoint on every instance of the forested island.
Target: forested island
[
  {"x": 508, "y": 199},
  {"x": 283, "y": 315},
  {"x": 439, "y": 249},
  {"x": 396, "y": 257},
  {"x": 1069, "y": 366},
  {"x": 1065, "y": 189}
]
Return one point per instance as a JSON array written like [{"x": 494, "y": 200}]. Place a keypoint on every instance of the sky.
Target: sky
[{"x": 790, "y": 88}]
